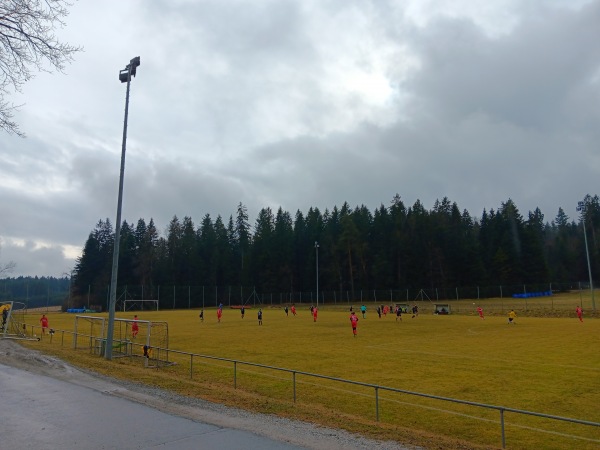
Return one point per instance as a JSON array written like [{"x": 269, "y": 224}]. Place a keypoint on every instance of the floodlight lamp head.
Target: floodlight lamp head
[
  {"x": 130, "y": 69},
  {"x": 133, "y": 64},
  {"x": 124, "y": 75}
]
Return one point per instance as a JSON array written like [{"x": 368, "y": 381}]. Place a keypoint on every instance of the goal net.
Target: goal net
[
  {"x": 12, "y": 321},
  {"x": 140, "y": 305},
  {"x": 132, "y": 338}
]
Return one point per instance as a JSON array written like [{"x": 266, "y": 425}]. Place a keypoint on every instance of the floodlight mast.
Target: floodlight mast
[
  {"x": 317, "y": 264},
  {"x": 124, "y": 77},
  {"x": 582, "y": 207}
]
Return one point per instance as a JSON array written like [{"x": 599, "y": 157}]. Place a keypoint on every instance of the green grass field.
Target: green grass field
[{"x": 542, "y": 363}]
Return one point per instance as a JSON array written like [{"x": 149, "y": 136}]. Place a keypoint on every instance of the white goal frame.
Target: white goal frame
[
  {"x": 14, "y": 326},
  {"x": 134, "y": 302},
  {"x": 126, "y": 344}
]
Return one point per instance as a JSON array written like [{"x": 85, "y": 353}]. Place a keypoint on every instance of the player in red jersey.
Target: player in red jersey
[
  {"x": 44, "y": 323},
  {"x": 315, "y": 313},
  {"x": 354, "y": 322},
  {"x": 135, "y": 327},
  {"x": 480, "y": 311},
  {"x": 293, "y": 308},
  {"x": 219, "y": 314},
  {"x": 579, "y": 312}
]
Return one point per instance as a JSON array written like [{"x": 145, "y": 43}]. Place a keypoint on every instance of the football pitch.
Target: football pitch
[{"x": 542, "y": 364}]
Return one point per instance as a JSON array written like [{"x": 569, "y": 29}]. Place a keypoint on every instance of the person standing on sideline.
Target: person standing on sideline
[
  {"x": 219, "y": 314},
  {"x": 5, "y": 309},
  {"x": 135, "y": 328},
  {"x": 480, "y": 312},
  {"x": 315, "y": 312},
  {"x": 579, "y": 312},
  {"x": 201, "y": 315},
  {"x": 260, "y": 316},
  {"x": 363, "y": 310},
  {"x": 293, "y": 310},
  {"x": 512, "y": 315},
  {"x": 354, "y": 322},
  {"x": 243, "y": 311},
  {"x": 398, "y": 314},
  {"x": 44, "y": 323}
]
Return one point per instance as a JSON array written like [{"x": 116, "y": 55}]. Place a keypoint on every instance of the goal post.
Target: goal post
[
  {"x": 131, "y": 337},
  {"x": 12, "y": 320},
  {"x": 140, "y": 305},
  {"x": 89, "y": 332}
]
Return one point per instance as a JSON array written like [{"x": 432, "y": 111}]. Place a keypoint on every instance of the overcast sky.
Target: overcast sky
[{"x": 302, "y": 103}]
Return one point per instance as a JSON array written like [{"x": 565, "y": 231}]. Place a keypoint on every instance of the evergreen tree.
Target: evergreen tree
[
  {"x": 283, "y": 244},
  {"x": 207, "y": 251},
  {"x": 380, "y": 243},
  {"x": 225, "y": 263},
  {"x": 92, "y": 270},
  {"x": 243, "y": 239},
  {"x": 263, "y": 265},
  {"x": 189, "y": 263},
  {"x": 534, "y": 251},
  {"x": 127, "y": 255},
  {"x": 301, "y": 241},
  {"x": 174, "y": 250}
]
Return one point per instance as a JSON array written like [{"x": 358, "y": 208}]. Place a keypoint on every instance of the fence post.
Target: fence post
[
  {"x": 235, "y": 374},
  {"x": 191, "y": 366},
  {"x": 502, "y": 427},
  {"x": 377, "y": 403},
  {"x": 294, "y": 384}
]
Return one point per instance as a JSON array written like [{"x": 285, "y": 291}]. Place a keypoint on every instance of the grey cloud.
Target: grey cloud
[{"x": 241, "y": 102}]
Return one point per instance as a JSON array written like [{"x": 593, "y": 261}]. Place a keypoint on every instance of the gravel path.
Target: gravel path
[{"x": 299, "y": 433}]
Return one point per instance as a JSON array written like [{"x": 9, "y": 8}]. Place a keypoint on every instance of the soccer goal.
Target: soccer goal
[
  {"x": 13, "y": 321},
  {"x": 131, "y": 338},
  {"x": 140, "y": 305}
]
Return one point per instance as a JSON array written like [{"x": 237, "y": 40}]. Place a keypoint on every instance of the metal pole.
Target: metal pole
[
  {"x": 377, "y": 403},
  {"x": 587, "y": 254},
  {"x": 115, "y": 261},
  {"x": 317, "y": 254},
  {"x": 580, "y": 207},
  {"x": 502, "y": 428},
  {"x": 294, "y": 383}
]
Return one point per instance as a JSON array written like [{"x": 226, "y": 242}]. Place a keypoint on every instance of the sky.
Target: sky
[{"x": 299, "y": 104}]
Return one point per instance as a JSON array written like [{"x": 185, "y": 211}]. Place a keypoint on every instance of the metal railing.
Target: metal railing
[{"x": 377, "y": 388}]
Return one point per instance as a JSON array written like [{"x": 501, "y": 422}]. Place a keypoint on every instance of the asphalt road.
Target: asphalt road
[{"x": 42, "y": 413}]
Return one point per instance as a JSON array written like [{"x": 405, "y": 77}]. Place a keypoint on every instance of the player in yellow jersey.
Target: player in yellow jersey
[{"x": 512, "y": 315}]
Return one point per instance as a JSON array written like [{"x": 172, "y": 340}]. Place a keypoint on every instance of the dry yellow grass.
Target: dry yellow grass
[{"x": 543, "y": 364}]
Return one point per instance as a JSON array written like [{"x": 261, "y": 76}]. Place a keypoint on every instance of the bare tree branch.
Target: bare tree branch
[
  {"x": 28, "y": 44},
  {"x": 7, "y": 267}
]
